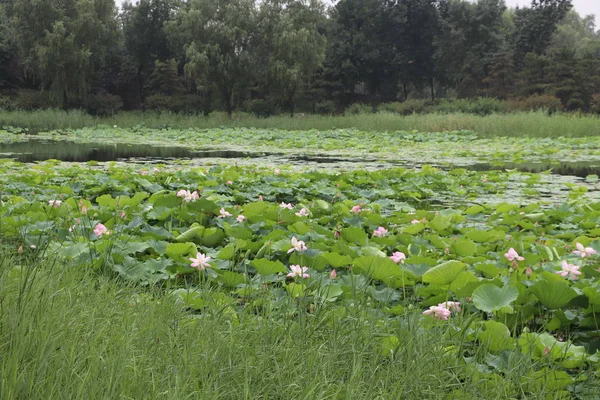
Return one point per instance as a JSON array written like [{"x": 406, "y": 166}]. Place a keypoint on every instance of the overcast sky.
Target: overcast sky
[{"x": 583, "y": 7}]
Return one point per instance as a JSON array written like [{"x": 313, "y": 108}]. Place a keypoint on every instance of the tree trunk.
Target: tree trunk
[
  {"x": 431, "y": 83},
  {"x": 229, "y": 104},
  {"x": 140, "y": 86},
  {"x": 292, "y": 101},
  {"x": 65, "y": 100},
  {"x": 405, "y": 91}
]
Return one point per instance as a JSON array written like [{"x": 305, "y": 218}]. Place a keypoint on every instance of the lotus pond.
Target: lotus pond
[{"x": 505, "y": 259}]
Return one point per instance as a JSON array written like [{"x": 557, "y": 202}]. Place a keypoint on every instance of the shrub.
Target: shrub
[
  {"x": 182, "y": 103},
  {"x": 536, "y": 102},
  {"x": 595, "y": 103},
  {"x": 359, "y": 108},
  {"x": 479, "y": 106},
  {"x": 34, "y": 100},
  {"x": 7, "y": 104},
  {"x": 261, "y": 108},
  {"x": 104, "y": 104},
  {"x": 407, "y": 107},
  {"x": 325, "y": 107}
]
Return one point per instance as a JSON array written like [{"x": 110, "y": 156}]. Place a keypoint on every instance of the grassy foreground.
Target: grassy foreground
[
  {"x": 66, "y": 333},
  {"x": 534, "y": 124}
]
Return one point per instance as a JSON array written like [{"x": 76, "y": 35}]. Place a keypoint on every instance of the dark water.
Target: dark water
[
  {"x": 40, "y": 150},
  {"x": 578, "y": 168}
]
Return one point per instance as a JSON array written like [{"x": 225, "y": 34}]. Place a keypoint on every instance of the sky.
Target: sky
[{"x": 583, "y": 7}]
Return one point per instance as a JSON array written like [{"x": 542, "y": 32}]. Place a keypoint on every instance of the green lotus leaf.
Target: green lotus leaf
[
  {"x": 490, "y": 298},
  {"x": 553, "y": 293},
  {"x": 268, "y": 267},
  {"x": 445, "y": 273}
]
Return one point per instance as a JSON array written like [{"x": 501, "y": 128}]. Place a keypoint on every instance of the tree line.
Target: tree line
[{"x": 200, "y": 55}]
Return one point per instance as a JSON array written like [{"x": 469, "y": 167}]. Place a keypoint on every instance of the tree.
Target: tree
[
  {"x": 534, "y": 26},
  {"x": 356, "y": 41},
  {"x": 62, "y": 43},
  {"x": 533, "y": 75},
  {"x": 574, "y": 32},
  {"x": 420, "y": 31},
  {"x": 470, "y": 35},
  {"x": 500, "y": 80},
  {"x": 146, "y": 39},
  {"x": 217, "y": 37},
  {"x": 296, "y": 47},
  {"x": 165, "y": 79},
  {"x": 9, "y": 68},
  {"x": 565, "y": 79}
]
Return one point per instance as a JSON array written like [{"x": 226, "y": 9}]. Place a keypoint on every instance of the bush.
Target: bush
[
  {"x": 7, "y": 104},
  {"x": 536, "y": 102},
  {"x": 595, "y": 103},
  {"x": 261, "y": 108},
  {"x": 479, "y": 106},
  {"x": 181, "y": 103},
  {"x": 359, "y": 108},
  {"x": 104, "y": 104},
  {"x": 325, "y": 107},
  {"x": 29, "y": 100},
  {"x": 407, "y": 107}
]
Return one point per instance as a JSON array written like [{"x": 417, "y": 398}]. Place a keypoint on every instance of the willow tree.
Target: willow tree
[
  {"x": 296, "y": 45},
  {"x": 217, "y": 38},
  {"x": 62, "y": 43}
]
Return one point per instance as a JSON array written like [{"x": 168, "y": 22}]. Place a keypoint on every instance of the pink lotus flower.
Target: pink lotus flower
[
  {"x": 569, "y": 269},
  {"x": 84, "y": 209},
  {"x": 398, "y": 257},
  {"x": 298, "y": 271},
  {"x": 240, "y": 218},
  {"x": 380, "y": 232},
  {"x": 289, "y": 206},
  {"x": 144, "y": 172},
  {"x": 277, "y": 171},
  {"x": 438, "y": 312},
  {"x": 443, "y": 310},
  {"x": 302, "y": 213},
  {"x": 584, "y": 251},
  {"x": 188, "y": 196},
  {"x": 229, "y": 182},
  {"x": 356, "y": 209},
  {"x": 298, "y": 245},
  {"x": 200, "y": 262},
  {"x": 528, "y": 272},
  {"x": 415, "y": 221},
  {"x": 451, "y": 305},
  {"x": 224, "y": 213},
  {"x": 333, "y": 274},
  {"x": 100, "y": 230},
  {"x": 54, "y": 203},
  {"x": 512, "y": 255},
  {"x": 155, "y": 170},
  {"x": 260, "y": 198}
]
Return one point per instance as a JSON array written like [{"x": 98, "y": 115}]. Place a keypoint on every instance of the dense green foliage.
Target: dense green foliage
[
  {"x": 521, "y": 328},
  {"x": 297, "y": 55}
]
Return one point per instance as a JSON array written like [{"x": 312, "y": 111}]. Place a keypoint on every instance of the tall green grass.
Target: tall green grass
[
  {"x": 71, "y": 334},
  {"x": 532, "y": 124}
]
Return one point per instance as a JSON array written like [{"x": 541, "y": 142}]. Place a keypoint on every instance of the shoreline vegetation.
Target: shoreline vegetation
[{"x": 527, "y": 124}]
